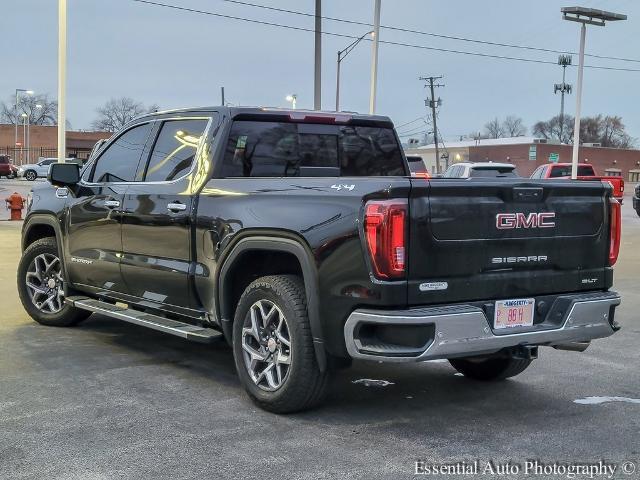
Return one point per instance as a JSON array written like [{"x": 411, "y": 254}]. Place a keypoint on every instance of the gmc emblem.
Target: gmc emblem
[{"x": 509, "y": 221}]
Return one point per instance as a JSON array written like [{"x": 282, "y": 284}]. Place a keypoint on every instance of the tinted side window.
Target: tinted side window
[
  {"x": 280, "y": 149},
  {"x": 175, "y": 149},
  {"x": 119, "y": 162}
]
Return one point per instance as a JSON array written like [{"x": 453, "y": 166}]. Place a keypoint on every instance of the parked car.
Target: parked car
[
  {"x": 636, "y": 199},
  {"x": 301, "y": 239},
  {"x": 585, "y": 172},
  {"x": 32, "y": 171},
  {"x": 481, "y": 169},
  {"x": 7, "y": 169},
  {"x": 417, "y": 166}
]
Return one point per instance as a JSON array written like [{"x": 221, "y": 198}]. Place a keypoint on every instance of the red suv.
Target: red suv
[{"x": 7, "y": 169}]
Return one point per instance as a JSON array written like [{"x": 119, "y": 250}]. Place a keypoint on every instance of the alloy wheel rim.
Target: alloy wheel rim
[
  {"x": 31, "y": 176},
  {"x": 44, "y": 283},
  {"x": 266, "y": 345}
]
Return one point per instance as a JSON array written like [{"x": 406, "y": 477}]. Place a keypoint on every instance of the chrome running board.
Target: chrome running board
[{"x": 155, "y": 322}]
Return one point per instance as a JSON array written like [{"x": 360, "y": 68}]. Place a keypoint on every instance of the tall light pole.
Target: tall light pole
[
  {"x": 563, "y": 61},
  {"x": 293, "y": 98},
  {"x": 38, "y": 107},
  {"x": 18, "y": 92},
  {"x": 374, "y": 57},
  {"x": 584, "y": 16},
  {"x": 62, "y": 79},
  {"x": 341, "y": 56},
  {"x": 317, "y": 83},
  {"x": 24, "y": 135}
]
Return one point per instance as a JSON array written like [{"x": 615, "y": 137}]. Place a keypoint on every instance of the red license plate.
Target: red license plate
[{"x": 517, "y": 312}]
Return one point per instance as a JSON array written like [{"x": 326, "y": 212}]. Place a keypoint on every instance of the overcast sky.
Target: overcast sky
[{"x": 175, "y": 59}]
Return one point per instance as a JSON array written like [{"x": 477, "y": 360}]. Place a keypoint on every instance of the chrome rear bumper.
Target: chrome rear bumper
[{"x": 464, "y": 330}]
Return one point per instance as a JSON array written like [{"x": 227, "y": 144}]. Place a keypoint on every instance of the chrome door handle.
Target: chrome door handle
[
  {"x": 111, "y": 203},
  {"x": 176, "y": 207}
]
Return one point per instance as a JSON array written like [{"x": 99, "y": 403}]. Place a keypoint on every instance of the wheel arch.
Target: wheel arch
[
  {"x": 283, "y": 245},
  {"x": 39, "y": 226}
]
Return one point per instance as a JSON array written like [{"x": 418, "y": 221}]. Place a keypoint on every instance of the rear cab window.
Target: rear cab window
[
  {"x": 286, "y": 149},
  {"x": 565, "y": 171},
  {"x": 493, "y": 172}
]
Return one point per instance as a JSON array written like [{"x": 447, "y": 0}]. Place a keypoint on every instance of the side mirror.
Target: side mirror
[{"x": 63, "y": 174}]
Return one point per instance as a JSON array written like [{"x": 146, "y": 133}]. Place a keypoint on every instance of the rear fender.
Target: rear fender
[{"x": 310, "y": 276}]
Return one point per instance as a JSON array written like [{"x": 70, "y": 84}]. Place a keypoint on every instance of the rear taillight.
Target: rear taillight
[
  {"x": 385, "y": 228},
  {"x": 615, "y": 230}
]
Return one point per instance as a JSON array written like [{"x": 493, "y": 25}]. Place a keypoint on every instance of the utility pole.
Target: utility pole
[
  {"x": 62, "y": 79},
  {"x": 374, "y": 57},
  {"x": 433, "y": 103},
  {"x": 317, "y": 83},
  {"x": 563, "y": 61},
  {"x": 222, "y": 96}
]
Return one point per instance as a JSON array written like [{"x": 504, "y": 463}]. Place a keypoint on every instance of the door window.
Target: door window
[
  {"x": 119, "y": 162},
  {"x": 175, "y": 149}
]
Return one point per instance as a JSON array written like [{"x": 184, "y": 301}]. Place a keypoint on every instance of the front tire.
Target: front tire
[
  {"x": 490, "y": 369},
  {"x": 273, "y": 347},
  {"x": 40, "y": 286},
  {"x": 30, "y": 175}
]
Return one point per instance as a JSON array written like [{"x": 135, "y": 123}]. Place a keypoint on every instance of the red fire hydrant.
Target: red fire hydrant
[{"x": 15, "y": 203}]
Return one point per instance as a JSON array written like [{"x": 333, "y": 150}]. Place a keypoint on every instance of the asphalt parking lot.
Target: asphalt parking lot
[{"x": 111, "y": 400}]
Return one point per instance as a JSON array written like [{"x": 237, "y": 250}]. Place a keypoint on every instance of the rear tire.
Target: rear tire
[
  {"x": 40, "y": 286},
  {"x": 273, "y": 347},
  {"x": 491, "y": 368}
]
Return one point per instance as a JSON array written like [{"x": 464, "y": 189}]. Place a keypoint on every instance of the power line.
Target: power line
[
  {"x": 431, "y": 34},
  {"x": 413, "y": 134},
  {"x": 409, "y": 123},
  {"x": 413, "y": 131},
  {"x": 387, "y": 42}
]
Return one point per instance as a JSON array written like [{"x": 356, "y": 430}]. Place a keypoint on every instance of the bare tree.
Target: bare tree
[
  {"x": 514, "y": 126},
  {"x": 609, "y": 131},
  {"x": 117, "y": 112},
  {"x": 38, "y": 108},
  {"x": 493, "y": 129},
  {"x": 550, "y": 129}
]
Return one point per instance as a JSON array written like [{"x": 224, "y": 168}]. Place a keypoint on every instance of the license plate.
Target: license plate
[{"x": 517, "y": 312}]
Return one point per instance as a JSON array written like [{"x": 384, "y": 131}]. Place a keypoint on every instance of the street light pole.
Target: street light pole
[
  {"x": 374, "y": 57},
  {"x": 24, "y": 136},
  {"x": 338, "y": 83},
  {"x": 576, "y": 124},
  {"x": 342, "y": 54},
  {"x": 317, "y": 84},
  {"x": 62, "y": 79},
  {"x": 18, "y": 91},
  {"x": 583, "y": 16}
]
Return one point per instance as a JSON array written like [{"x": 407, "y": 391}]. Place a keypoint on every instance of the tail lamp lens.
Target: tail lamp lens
[
  {"x": 615, "y": 231},
  {"x": 385, "y": 229}
]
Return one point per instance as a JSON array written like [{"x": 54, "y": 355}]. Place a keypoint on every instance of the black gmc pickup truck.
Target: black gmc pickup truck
[{"x": 301, "y": 238}]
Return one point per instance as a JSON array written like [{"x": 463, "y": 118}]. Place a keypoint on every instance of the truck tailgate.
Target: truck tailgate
[{"x": 508, "y": 238}]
